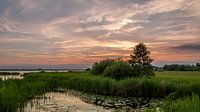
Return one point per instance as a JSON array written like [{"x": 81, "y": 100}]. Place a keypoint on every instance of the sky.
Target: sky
[{"x": 85, "y": 31}]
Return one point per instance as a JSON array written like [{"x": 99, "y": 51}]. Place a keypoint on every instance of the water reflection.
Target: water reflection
[
  {"x": 6, "y": 77},
  {"x": 32, "y": 71},
  {"x": 61, "y": 102}
]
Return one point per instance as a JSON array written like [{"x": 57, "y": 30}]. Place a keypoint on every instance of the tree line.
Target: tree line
[{"x": 182, "y": 67}]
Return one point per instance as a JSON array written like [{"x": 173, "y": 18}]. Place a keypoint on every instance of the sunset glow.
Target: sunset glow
[{"x": 85, "y": 31}]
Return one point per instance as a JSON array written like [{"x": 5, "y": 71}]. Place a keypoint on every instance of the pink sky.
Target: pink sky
[{"x": 84, "y": 31}]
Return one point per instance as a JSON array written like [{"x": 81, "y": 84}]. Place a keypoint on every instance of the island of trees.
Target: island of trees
[{"x": 139, "y": 64}]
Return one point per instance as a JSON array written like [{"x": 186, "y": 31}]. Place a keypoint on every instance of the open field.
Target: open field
[
  {"x": 15, "y": 93},
  {"x": 187, "y": 75}
]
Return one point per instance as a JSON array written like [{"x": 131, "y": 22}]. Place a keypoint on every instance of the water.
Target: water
[
  {"x": 32, "y": 71},
  {"x": 6, "y": 77},
  {"x": 61, "y": 102},
  {"x": 13, "y": 75}
]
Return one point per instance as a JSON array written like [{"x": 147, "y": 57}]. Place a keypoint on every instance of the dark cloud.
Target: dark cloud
[
  {"x": 47, "y": 10},
  {"x": 124, "y": 2},
  {"x": 194, "y": 46},
  {"x": 5, "y": 4}
]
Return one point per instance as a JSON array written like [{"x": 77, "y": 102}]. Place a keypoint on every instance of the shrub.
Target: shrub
[
  {"x": 87, "y": 69},
  {"x": 119, "y": 70},
  {"x": 99, "y": 67}
]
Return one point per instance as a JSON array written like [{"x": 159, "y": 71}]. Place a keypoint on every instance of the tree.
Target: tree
[
  {"x": 141, "y": 61},
  {"x": 197, "y": 64}
]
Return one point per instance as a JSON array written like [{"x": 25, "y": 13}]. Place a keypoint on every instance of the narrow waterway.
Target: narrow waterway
[
  {"x": 61, "y": 102},
  {"x": 74, "y": 101}
]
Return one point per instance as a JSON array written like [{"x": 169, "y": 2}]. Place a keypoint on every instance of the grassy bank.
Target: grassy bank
[
  {"x": 15, "y": 93},
  {"x": 185, "y": 104},
  {"x": 162, "y": 85}
]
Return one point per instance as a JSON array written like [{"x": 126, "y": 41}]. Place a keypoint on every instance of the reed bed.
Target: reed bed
[
  {"x": 14, "y": 94},
  {"x": 185, "y": 104},
  {"x": 158, "y": 86}
]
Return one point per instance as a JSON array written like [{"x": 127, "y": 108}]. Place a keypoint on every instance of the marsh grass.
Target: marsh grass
[
  {"x": 14, "y": 94},
  {"x": 159, "y": 86},
  {"x": 188, "y": 104},
  {"x": 185, "y": 104}
]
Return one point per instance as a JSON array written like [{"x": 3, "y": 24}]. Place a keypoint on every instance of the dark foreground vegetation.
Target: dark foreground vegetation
[{"x": 15, "y": 93}]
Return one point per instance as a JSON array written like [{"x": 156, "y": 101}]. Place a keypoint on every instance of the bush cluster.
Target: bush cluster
[
  {"x": 113, "y": 69},
  {"x": 99, "y": 67},
  {"x": 119, "y": 70}
]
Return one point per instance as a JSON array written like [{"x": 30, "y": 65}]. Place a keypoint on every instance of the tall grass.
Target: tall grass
[
  {"x": 15, "y": 93},
  {"x": 140, "y": 87},
  {"x": 186, "y": 104}
]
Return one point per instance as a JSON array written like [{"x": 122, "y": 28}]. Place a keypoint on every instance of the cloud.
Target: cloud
[
  {"x": 194, "y": 46},
  {"x": 158, "y": 6},
  {"x": 83, "y": 31}
]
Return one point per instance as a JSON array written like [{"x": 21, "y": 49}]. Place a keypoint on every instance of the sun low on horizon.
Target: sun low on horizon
[{"x": 85, "y": 31}]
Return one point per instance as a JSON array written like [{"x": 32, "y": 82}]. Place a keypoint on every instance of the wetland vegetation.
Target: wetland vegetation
[{"x": 183, "y": 87}]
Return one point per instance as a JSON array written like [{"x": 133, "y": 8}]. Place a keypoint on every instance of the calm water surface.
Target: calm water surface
[
  {"x": 61, "y": 102},
  {"x": 21, "y": 73},
  {"x": 32, "y": 71}
]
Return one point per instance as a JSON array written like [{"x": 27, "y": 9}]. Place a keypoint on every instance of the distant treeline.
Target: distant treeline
[
  {"x": 9, "y": 73},
  {"x": 182, "y": 67}
]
